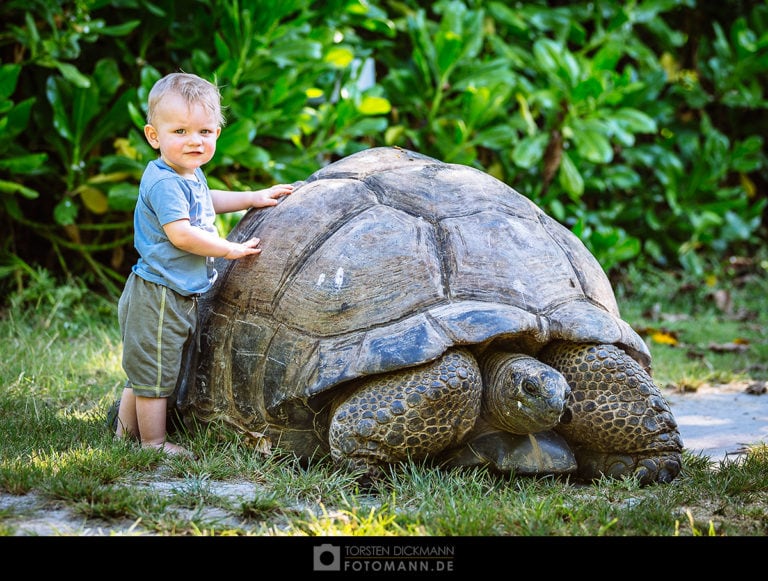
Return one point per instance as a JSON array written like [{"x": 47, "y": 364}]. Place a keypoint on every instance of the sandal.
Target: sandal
[{"x": 112, "y": 413}]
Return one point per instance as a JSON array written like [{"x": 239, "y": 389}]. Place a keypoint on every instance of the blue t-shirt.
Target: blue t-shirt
[{"x": 165, "y": 196}]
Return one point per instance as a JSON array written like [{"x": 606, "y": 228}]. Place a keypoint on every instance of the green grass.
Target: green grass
[
  {"x": 711, "y": 330},
  {"x": 60, "y": 371}
]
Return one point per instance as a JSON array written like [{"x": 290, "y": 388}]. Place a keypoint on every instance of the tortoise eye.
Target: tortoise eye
[{"x": 530, "y": 386}]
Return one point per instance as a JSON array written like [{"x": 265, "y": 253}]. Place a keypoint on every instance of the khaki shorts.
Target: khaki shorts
[{"x": 157, "y": 326}]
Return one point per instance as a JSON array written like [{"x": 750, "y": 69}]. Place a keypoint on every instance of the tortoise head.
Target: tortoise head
[{"x": 521, "y": 394}]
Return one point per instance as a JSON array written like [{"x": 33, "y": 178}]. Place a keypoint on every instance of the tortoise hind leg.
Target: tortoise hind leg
[
  {"x": 617, "y": 421},
  {"x": 407, "y": 414}
]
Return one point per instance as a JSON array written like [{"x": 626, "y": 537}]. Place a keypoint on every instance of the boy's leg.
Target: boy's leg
[
  {"x": 127, "y": 422},
  {"x": 151, "y": 413},
  {"x": 155, "y": 324}
]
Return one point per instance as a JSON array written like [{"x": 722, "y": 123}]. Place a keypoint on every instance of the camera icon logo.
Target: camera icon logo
[{"x": 327, "y": 557}]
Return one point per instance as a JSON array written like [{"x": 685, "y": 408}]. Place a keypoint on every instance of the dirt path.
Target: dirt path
[{"x": 719, "y": 421}]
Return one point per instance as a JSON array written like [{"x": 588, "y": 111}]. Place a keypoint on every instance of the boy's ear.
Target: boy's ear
[{"x": 151, "y": 134}]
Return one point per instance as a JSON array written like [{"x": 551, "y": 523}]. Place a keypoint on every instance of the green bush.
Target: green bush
[{"x": 638, "y": 125}]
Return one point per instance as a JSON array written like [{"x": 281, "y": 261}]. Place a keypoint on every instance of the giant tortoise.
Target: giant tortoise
[{"x": 405, "y": 308}]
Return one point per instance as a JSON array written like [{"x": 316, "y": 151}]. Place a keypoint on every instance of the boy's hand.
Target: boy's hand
[
  {"x": 247, "y": 248},
  {"x": 271, "y": 196}
]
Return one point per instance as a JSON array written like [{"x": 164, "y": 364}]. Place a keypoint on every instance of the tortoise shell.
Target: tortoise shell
[{"x": 384, "y": 260}]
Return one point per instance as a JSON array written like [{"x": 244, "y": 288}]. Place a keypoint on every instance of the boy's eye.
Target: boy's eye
[{"x": 179, "y": 131}]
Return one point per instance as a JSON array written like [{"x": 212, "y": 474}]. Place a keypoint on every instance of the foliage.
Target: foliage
[{"x": 639, "y": 125}]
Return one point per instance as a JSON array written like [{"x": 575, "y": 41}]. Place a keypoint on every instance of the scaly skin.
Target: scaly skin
[
  {"x": 407, "y": 414},
  {"x": 522, "y": 395},
  {"x": 428, "y": 409},
  {"x": 617, "y": 421}
]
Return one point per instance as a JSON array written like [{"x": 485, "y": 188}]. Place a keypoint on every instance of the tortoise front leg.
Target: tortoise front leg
[
  {"x": 406, "y": 414},
  {"x": 617, "y": 421}
]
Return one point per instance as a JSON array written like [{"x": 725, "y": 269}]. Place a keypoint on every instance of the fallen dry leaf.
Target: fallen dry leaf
[
  {"x": 732, "y": 347},
  {"x": 260, "y": 441},
  {"x": 723, "y": 300},
  {"x": 664, "y": 338},
  {"x": 757, "y": 388}
]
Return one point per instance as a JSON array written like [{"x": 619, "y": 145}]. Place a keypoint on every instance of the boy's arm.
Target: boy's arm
[
  {"x": 196, "y": 241},
  {"x": 226, "y": 201}
]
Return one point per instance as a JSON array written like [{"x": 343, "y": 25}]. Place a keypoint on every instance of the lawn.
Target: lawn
[{"x": 62, "y": 473}]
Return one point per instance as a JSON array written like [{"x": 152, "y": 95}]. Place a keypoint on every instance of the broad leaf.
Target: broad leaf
[{"x": 569, "y": 177}]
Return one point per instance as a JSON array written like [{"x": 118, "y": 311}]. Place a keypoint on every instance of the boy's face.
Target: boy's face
[{"x": 185, "y": 135}]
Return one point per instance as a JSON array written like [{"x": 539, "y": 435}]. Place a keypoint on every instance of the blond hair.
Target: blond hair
[{"x": 191, "y": 88}]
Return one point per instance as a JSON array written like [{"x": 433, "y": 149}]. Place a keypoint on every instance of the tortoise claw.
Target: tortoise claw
[
  {"x": 651, "y": 470},
  {"x": 368, "y": 475}
]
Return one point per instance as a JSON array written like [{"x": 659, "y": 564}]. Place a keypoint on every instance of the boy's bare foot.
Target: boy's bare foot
[{"x": 172, "y": 449}]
